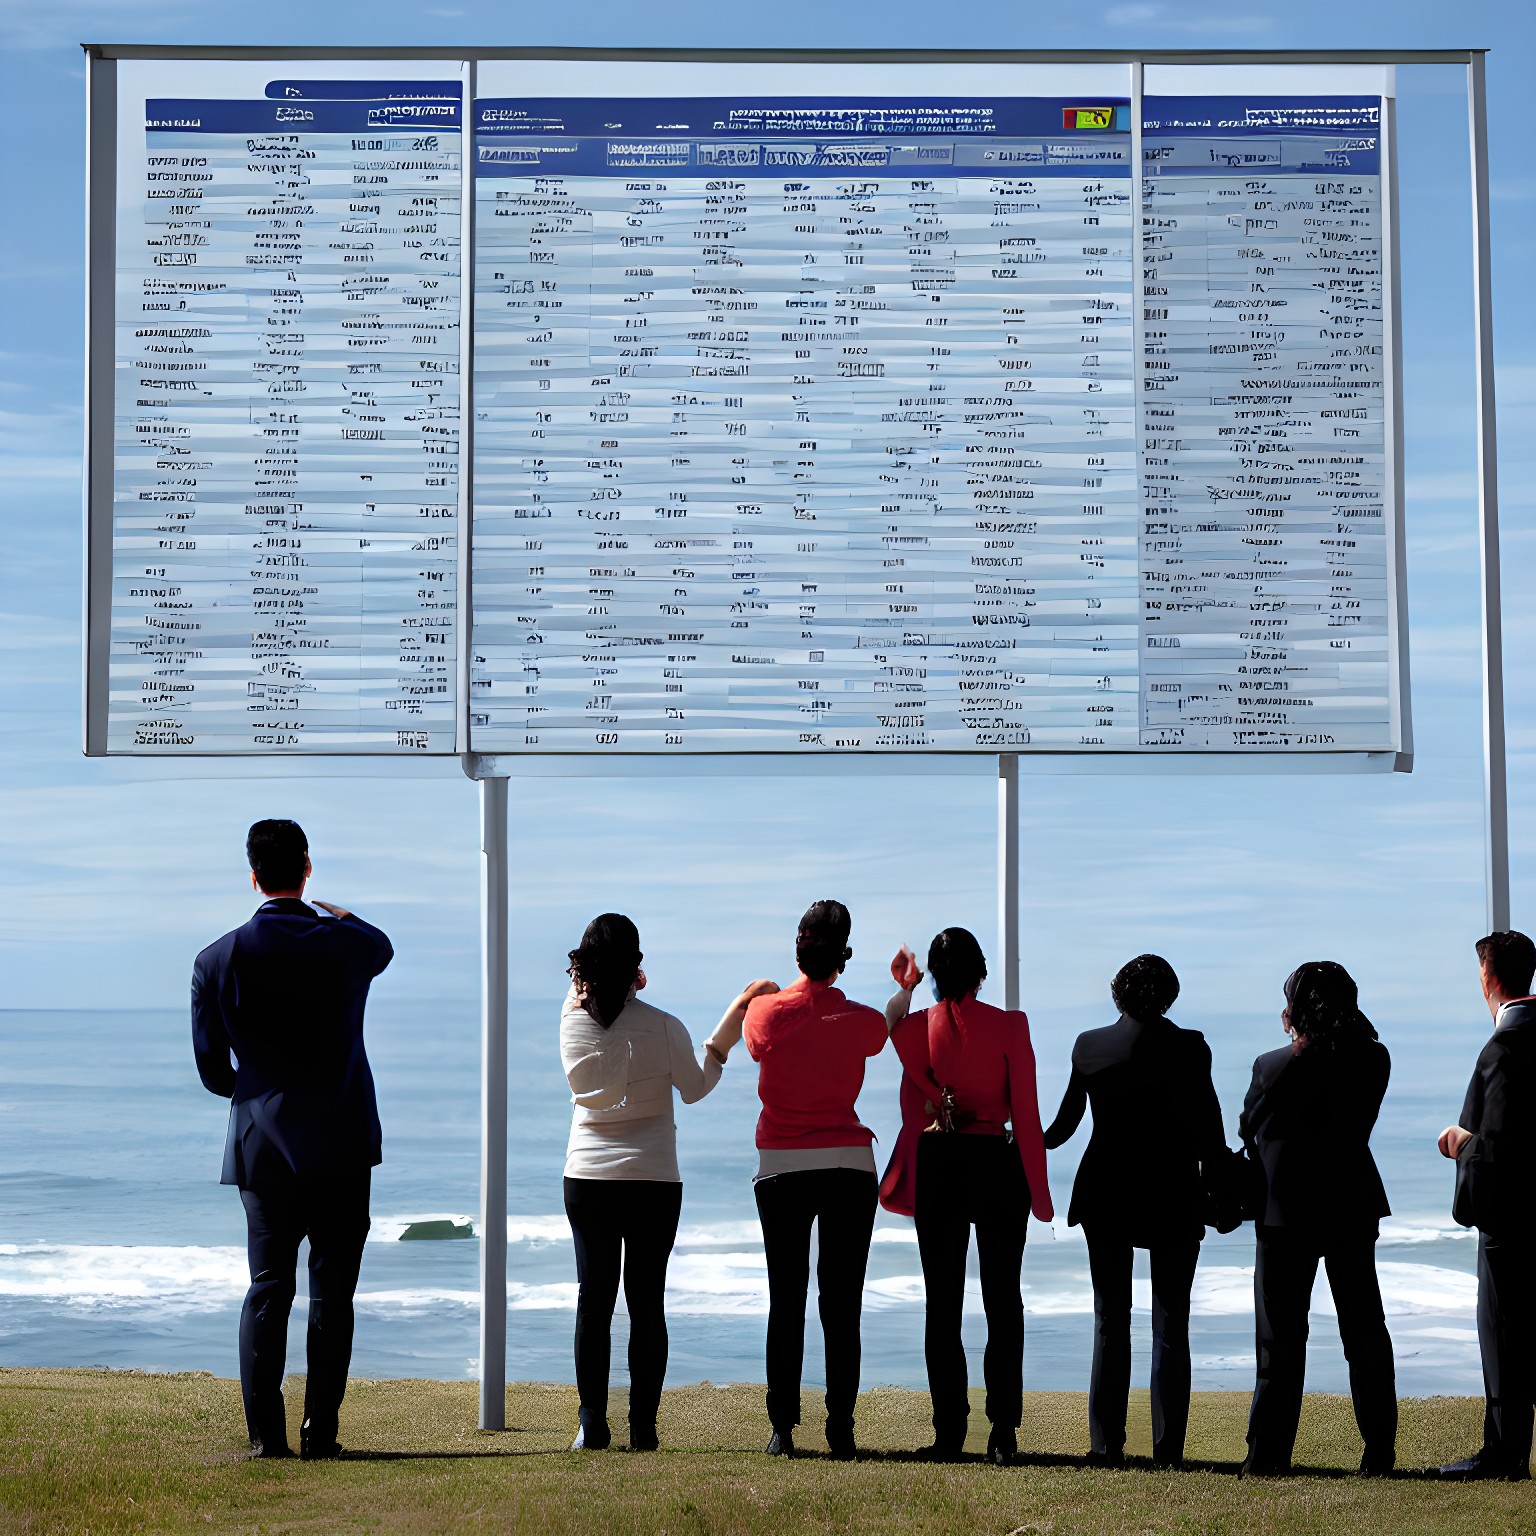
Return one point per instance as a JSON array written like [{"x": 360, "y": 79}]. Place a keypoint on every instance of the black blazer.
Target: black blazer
[
  {"x": 1156, "y": 1118},
  {"x": 1496, "y": 1169},
  {"x": 285, "y": 992},
  {"x": 1307, "y": 1124}
]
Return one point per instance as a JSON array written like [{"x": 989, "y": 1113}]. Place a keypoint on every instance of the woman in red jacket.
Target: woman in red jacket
[
  {"x": 814, "y": 1164},
  {"x": 968, "y": 1072}
]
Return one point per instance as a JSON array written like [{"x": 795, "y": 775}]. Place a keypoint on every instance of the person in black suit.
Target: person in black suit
[
  {"x": 1156, "y": 1120},
  {"x": 285, "y": 993},
  {"x": 1495, "y": 1151},
  {"x": 1307, "y": 1123}
]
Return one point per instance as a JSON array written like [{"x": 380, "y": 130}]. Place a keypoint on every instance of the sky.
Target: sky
[{"x": 113, "y": 874}]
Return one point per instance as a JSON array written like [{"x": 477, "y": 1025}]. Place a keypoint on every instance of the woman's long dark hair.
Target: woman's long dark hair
[
  {"x": 603, "y": 966},
  {"x": 1325, "y": 1006}
]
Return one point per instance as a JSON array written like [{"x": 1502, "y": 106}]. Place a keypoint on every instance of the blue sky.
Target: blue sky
[{"x": 115, "y": 873}]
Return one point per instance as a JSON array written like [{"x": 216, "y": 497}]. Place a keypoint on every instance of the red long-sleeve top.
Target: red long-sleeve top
[
  {"x": 810, "y": 1043},
  {"x": 984, "y": 1057}
]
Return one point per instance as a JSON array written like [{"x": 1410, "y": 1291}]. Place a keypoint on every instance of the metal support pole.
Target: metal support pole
[
  {"x": 493, "y": 1104},
  {"x": 1008, "y": 875},
  {"x": 1495, "y": 790}
]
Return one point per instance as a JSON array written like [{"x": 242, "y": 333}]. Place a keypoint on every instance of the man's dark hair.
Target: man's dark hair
[
  {"x": 1145, "y": 988},
  {"x": 956, "y": 963},
  {"x": 821, "y": 945},
  {"x": 1511, "y": 960},
  {"x": 277, "y": 850},
  {"x": 604, "y": 965}
]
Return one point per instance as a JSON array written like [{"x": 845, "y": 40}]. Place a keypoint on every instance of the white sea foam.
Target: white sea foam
[
  {"x": 192, "y": 1279},
  {"x": 700, "y": 1282}
]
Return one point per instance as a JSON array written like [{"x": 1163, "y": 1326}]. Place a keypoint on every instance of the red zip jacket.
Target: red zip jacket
[
  {"x": 983, "y": 1056},
  {"x": 810, "y": 1043}
]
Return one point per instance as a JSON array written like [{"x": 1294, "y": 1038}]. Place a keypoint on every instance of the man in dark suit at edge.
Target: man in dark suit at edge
[
  {"x": 285, "y": 992},
  {"x": 1495, "y": 1151}
]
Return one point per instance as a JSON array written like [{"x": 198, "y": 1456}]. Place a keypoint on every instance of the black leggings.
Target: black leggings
[
  {"x": 638, "y": 1219},
  {"x": 965, "y": 1181},
  {"x": 841, "y": 1201}
]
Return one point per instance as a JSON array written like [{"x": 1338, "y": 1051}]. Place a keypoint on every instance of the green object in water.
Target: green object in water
[{"x": 436, "y": 1231}]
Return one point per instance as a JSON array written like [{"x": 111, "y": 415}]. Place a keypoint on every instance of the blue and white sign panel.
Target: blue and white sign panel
[{"x": 815, "y": 410}]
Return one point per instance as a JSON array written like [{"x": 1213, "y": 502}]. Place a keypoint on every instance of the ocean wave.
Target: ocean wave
[
  {"x": 193, "y": 1279},
  {"x": 733, "y": 1282}
]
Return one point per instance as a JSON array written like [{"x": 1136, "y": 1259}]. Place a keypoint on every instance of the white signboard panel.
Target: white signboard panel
[
  {"x": 1266, "y": 518},
  {"x": 804, "y": 424},
  {"x": 817, "y": 410},
  {"x": 286, "y": 492}
]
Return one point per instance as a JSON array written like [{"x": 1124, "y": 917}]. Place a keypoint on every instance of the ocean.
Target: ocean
[{"x": 118, "y": 1247}]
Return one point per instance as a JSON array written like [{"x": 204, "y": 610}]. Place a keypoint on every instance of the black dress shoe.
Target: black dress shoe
[
  {"x": 782, "y": 1444},
  {"x": 642, "y": 1437},
  {"x": 1112, "y": 1460},
  {"x": 1482, "y": 1468},
  {"x": 320, "y": 1451},
  {"x": 593, "y": 1436},
  {"x": 1255, "y": 1465},
  {"x": 1378, "y": 1464},
  {"x": 1002, "y": 1445},
  {"x": 841, "y": 1445},
  {"x": 260, "y": 1453},
  {"x": 943, "y": 1450}
]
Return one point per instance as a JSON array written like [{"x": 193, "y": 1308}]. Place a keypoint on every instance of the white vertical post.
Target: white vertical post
[
  {"x": 1008, "y": 875},
  {"x": 493, "y": 1104},
  {"x": 1495, "y": 792}
]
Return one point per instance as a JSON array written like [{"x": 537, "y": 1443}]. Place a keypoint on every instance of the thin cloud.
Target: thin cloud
[{"x": 1157, "y": 18}]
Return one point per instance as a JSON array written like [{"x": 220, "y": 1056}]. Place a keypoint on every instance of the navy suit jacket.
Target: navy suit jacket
[{"x": 285, "y": 992}]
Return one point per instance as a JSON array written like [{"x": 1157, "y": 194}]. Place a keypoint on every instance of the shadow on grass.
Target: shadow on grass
[{"x": 1038, "y": 1460}]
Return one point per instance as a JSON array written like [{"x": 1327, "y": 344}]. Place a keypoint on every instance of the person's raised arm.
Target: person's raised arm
[
  {"x": 385, "y": 951},
  {"x": 728, "y": 1030},
  {"x": 908, "y": 978}
]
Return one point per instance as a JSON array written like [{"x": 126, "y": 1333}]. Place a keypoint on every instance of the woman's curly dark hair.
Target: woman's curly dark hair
[
  {"x": 604, "y": 964},
  {"x": 1325, "y": 1006}
]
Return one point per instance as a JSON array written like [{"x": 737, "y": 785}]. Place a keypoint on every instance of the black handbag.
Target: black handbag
[{"x": 1226, "y": 1182}]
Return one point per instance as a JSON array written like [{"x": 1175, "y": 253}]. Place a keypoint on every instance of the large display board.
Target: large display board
[{"x": 813, "y": 411}]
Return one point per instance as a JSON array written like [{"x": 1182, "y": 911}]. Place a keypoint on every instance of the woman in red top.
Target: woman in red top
[
  {"x": 968, "y": 1071},
  {"x": 814, "y": 1164}
]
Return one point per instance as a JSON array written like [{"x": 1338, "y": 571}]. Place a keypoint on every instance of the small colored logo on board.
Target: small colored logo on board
[{"x": 1077, "y": 118}]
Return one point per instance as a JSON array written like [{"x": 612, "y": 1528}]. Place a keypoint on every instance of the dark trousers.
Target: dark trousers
[
  {"x": 1110, "y": 1256},
  {"x": 622, "y": 1226},
  {"x": 1284, "y": 1272},
  {"x": 842, "y": 1202},
  {"x": 331, "y": 1210},
  {"x": 1506, "y": 1334},
  {"x": 965, "y": 1181}
]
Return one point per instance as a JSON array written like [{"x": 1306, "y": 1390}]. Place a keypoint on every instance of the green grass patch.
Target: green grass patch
[{"x": 119, "y": 1451}]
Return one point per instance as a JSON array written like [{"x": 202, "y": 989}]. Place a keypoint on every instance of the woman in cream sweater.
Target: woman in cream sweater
[{"x": 623, "y": 1191}]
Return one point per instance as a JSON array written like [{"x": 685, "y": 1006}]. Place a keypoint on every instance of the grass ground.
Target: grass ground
[{"x": 103, "y": 1451}]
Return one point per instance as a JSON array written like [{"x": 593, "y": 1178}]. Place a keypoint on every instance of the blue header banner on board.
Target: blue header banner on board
[
  {"x": 769, "y": 138},
  {"x": 169, "y": 115},
  {"x": 1205, "y": 135}
]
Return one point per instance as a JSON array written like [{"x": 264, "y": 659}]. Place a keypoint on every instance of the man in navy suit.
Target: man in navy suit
[{"x": 285, "y": 993}]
